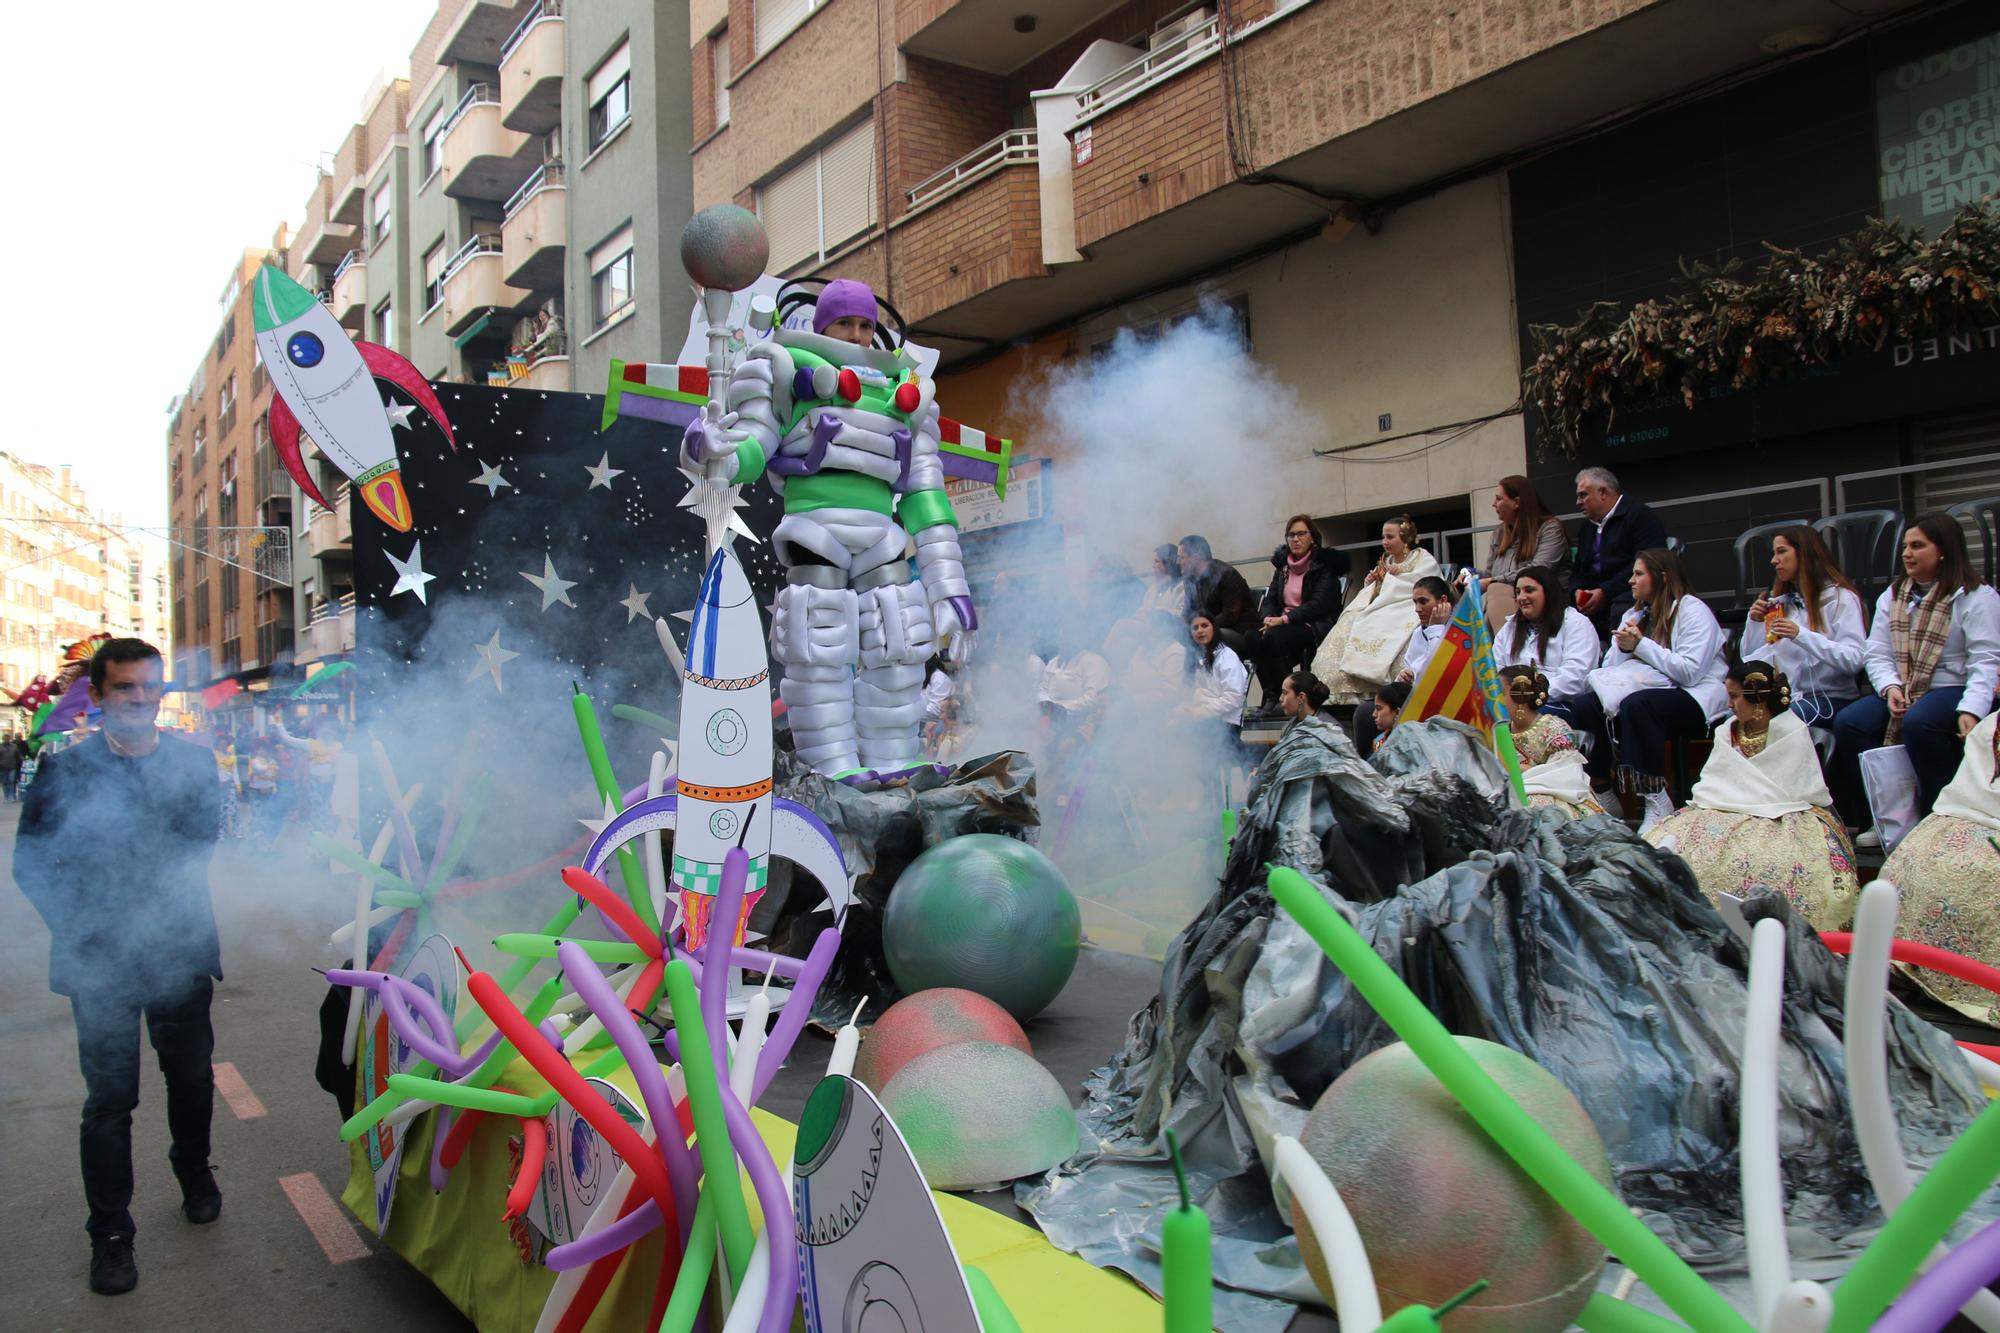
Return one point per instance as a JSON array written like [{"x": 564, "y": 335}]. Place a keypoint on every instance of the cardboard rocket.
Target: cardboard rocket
[{"x": 325, "y": 383}]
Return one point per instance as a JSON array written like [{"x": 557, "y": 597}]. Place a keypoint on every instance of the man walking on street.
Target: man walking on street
[
  {"x": 10, "y": 766},
  {"x": 113, "y": 851}
]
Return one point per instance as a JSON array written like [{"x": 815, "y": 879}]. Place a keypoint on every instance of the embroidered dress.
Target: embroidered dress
[
  {"x": 1761, "y": 817},
  {"x": 1948, "y": 870},
  {"x": 1365, "y": 648},
  {"x": 1552, "y": 767}
]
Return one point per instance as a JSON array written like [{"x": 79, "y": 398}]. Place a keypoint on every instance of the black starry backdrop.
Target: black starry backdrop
[{"x": 544, "y": 548}]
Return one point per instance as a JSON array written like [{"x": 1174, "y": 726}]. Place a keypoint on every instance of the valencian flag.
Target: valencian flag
[{"x": 1462, "y": 683}]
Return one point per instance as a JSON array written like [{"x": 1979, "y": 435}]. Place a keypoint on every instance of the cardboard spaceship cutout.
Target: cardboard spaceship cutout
[
  {"x": 873, "y": 1251},
  {"x": 433, "y": 968},
  {"x": 325, "y": 384},
  {"x": 722, "y": 796},
  {"x": 578, "y": 1174}
]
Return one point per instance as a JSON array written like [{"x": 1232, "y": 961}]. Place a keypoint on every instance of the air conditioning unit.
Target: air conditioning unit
[{"x": 1179, "y": 29}]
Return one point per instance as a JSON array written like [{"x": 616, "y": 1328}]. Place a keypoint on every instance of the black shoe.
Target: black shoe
[
  {"x": 201, "y": 1198},
  {"x": 112, "y": 1269}
]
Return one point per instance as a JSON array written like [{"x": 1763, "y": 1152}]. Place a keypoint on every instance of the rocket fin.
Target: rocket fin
[
  {"x": 285, "y": 439},
  {"x": 798, "y": 835},
  {"x": 396, "y": 368}
]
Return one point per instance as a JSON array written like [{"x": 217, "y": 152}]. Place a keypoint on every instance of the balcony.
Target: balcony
[
  {"x": 980, "y": 34},
  {"x": 531, "y": 71},
  {"x": 329, "y": 634},
  {"x": 478, "y": 33},
  {"x": 331, "y": 531},
  {"x": 551, "y": 373},
  {"x": 350, "y": 179},
  {"x": 474, "y": 284},
  {"x": 972, "y": 227},
  {"x": 350, "y": 291},
  {"x": 480, "y": 157},
  {"x": 536, "y": 230},
  {"x": 323, "y": 243}
]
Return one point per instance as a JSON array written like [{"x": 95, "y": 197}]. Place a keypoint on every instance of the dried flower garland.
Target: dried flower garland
[{"x": 1882, "y": 285}]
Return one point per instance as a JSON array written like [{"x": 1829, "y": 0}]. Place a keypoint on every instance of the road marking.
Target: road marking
[
  {"x": 322, "y": 1216},
  {"x": 236, "y": 1092}
]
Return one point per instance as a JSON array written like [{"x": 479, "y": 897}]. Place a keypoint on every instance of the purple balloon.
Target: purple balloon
[
  {"x": 792, "y": 1018},
  {"x": 626, "y": 1230},
  {"x": 1935, "y": 1297}
]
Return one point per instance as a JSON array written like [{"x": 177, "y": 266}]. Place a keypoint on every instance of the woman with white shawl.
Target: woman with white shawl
[
  {"x": 1365, "y": 648},
  {"x": 1761, "y": 816},
  {"x": 1948, "y": 869}
]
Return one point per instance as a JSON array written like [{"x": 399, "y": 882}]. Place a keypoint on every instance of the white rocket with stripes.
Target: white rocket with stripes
[{"x": 724, "y": 783}]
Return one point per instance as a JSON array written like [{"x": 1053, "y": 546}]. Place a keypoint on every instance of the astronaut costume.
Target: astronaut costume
[{"x": 849, "y": 438}]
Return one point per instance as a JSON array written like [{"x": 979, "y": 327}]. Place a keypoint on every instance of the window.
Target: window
[
  {"x": 718, "y": 52},
  {"x": 200, "y": 443},
  {"x": 434, "y": 276},
  {"x": 384, "y": 324},
  {"x": 226, "y": 411},
  {"x": 776, "y": 18},
  {"x": 611, "y": 278},
  {"x": 433, "y": 140},
  {"x": 822, "y": 202},
  {"x": 609, "y": 94},
  {"x": 381, "y": 212},
  {"x": 226, "y": 337}
]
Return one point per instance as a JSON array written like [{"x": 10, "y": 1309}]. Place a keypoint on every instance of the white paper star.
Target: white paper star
[
  {"x": 634, "y": 603},
  {"x": 489, "y": 477},
  {"x": 554, "y": 588},
  {"x": 410, "y": 576},
  {"x": 602, "y": 474},
  {"x": 399, "y": 413},
  {"x": 491, "y": 658},
  {"x": 596, "y": 826},
  {"x": 716, "y": 506}
]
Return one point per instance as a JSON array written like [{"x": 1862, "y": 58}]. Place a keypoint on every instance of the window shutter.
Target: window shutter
[
  {"x": 775, "y": 18},
  {"x": 433, "y": 266},
  {"x": 848, "y": 184},
  {"x": 789, "y": 206},
  {"x": 616, "y": 67},
  {"x": 719, "y": 46}
]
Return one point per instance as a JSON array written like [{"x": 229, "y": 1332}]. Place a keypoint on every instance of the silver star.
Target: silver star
[
  {"x": 410, "y": 576},
  {"x": 596, "y": 826},
  {"x": 489, "y": 477},
  {"x": 491, "y": 658},
  {"x": 554, "y": 588},
  {"x": 602, "y": 474},
  {"x": 399, "y": 413},
  {"x": 716, "y": 506},
  {"x": 635, "y": 603}
]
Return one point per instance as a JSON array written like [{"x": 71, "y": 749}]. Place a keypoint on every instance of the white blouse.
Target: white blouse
[
  {"x": 1971, "y": 654},
  {"x": 1815, "y": 663},
  {"x": 1693, "y": 660},
  {"x": 1219, "y": 691},
  {"x": 1570, "y": 658}
]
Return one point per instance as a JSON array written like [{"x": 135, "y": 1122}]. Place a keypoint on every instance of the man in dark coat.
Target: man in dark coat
[
  {"x": 1614, "y": 530},
  {"x": 1218, "y": 591},
  {"x": 1288, "y": 634},
  {"x": 113, "y": 851}
]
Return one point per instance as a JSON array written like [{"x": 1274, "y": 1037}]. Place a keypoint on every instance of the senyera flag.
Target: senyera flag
[{"x": 1461, "y": 682}]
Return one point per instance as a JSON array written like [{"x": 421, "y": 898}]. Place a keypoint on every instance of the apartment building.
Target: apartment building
[
  {"x": 1024, "y": 180},
  {"x": 68, "y": 572},
  {"x": 229, "y": 501}
]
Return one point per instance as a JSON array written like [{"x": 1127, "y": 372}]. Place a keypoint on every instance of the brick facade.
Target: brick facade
[
  {"x": 1153, "y": 154},
  {"x": 987, "y": 234},
  {"x": 934, "y": 117}
]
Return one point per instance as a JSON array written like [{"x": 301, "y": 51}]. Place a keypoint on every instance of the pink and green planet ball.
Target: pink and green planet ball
[
  {"x": 724, "y": 246},
  {"x": 977, "y": 1114},
  {"x": 1439, "y": 1205},
  {"x": 927, "y": 1020}
]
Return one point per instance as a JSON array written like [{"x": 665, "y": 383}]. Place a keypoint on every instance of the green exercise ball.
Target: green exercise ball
[{"x": 987, "y": 914}]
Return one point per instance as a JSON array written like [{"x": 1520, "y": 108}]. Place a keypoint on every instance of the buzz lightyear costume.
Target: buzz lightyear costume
[{"x": 849, "y": 438}]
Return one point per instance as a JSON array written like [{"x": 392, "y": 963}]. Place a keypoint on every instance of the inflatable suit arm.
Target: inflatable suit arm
[
  {"x": 925, "y": 513},
  {"x": 732, "y": 448}
]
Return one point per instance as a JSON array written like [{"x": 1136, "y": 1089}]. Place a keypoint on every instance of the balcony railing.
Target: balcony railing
[
  {"x": 547, "y": 9},
  {"x": 1014, "y": 148},
  {"x": 485, "y": 243},
  {"x": 1163, "y": 62},
  {"x": 476, "y": 95},
  {"x": 550, "y": 175},
  {"x": 347, "y": 260}
]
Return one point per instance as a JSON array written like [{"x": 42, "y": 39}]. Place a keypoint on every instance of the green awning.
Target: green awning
[{"x": 477, "y": 328}]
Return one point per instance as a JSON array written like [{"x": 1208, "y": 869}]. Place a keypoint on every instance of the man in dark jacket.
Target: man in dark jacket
[
  {"x": 1217, "y": 591},
  {"x": 113, "y": 851},
  {"x": 1615, "y": 529},
  {"x": 1290, "y": 631}
]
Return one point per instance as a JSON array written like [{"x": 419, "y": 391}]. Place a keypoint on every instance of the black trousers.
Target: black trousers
[
  {"x": 107, "y": 1042},
  {"x": 1277, "y": 652}
]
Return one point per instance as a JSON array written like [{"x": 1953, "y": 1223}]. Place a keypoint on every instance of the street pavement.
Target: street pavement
[{"x": 277, "y": 1152}]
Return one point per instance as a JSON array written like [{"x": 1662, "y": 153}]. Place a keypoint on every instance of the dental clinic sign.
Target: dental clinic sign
[{"x": 1937, "y": 130}]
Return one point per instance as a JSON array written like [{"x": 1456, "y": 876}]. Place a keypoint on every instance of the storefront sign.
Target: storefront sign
[
  {"x": 979, "y": 507},
  {"x": 1937, "y": 132}
]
